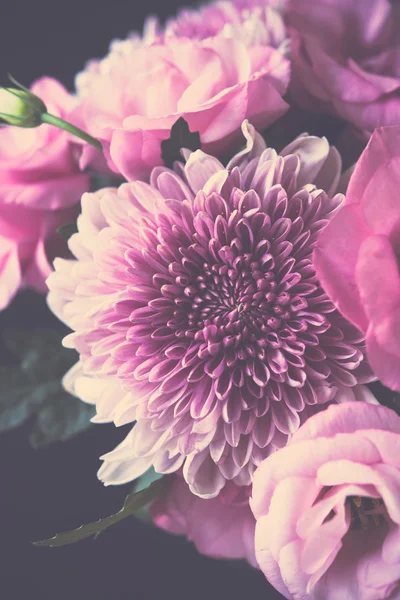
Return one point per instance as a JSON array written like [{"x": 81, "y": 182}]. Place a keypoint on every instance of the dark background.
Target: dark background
[{"x": 50, "y": 490}]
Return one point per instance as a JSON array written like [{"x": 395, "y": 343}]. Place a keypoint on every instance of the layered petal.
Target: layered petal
[
  {"x": 357, "y": 255},
  {"x": 132, "y": 104},
  {"x": 327, "y": 507},
  {"x": 217, "y": 528},
  {"x": 346, "y": 59}
]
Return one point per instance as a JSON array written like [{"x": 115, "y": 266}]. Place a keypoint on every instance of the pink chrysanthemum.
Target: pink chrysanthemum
[{"x": 197, "y": 312}]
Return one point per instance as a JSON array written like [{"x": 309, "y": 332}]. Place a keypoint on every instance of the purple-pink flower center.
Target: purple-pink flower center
[{"x": 225, "y": 287}]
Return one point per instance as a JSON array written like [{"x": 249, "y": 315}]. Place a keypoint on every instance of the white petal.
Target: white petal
[
  {"x": 164, "y": 463},
  {"x": 255, "y": 145},
  {"x": 329, "y": 176},
  {"x": 146, "y": 441},
  {"x": 86, "y": 388},
  {"x": 117, "y": 473},
  {"x": 313, "y": 152},
  {"x": 123, "y": 451},
  {"x": 199, "y": 168},
  {"x": 202, "y": 475}
]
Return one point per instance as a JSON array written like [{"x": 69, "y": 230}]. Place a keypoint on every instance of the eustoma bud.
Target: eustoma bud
[{"x": 21, "y": 108}]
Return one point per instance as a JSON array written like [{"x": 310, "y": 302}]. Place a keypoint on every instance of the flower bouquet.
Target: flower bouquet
[{"x": 214, "y": 218}]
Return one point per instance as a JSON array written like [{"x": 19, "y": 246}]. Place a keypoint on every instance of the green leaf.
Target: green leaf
[
  {"x": 142, "y": 483},
  {"x": 147, "y": 479},
  {"x": 63, "y": 417},
  {"x": 32, "y": 364},
  {"x": 132, "y": 504}
]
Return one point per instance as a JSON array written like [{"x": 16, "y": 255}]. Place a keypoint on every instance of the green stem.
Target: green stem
[{"x": 61, "y": 124}]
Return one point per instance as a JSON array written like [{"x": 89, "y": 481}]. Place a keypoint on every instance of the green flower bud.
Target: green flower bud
[{"x": 21, "y": 107}]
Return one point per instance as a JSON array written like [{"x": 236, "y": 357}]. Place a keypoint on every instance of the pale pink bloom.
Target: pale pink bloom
[
  {"x": 102, "y": 67},
  {"x": 132, "y": 100},
  {"x": 197, "y": 313},
  {"x": 254, "y": 22},
  {"x": 40, "y": 188},
  {"x": 357, "y": 255},
  {"x": 346, "y": 59},
  {"x": 221, "y": 527},
  {"x": 328, "y": 507}
]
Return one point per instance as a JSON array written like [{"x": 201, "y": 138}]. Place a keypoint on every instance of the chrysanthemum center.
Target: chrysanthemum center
[
  {"x": 241, "y": 298},
  {"x": 227, "y": 296}
]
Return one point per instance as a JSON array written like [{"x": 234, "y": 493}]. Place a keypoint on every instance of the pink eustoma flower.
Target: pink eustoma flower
[
  {"x": 216, "y": 83},
  {"x": 357, "y": 255},
  {"x": 346, "y": 59},
  {"x": 221, "y": 527},
  {"x": 40, "y": 188},
  {"x": 328, "y": 507},
  {"x": 197, "y": 313}
]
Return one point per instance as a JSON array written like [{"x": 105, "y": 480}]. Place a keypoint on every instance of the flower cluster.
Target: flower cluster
[
  {"x": 40, "y": 188},
  {"x": 346, "y": 59},
  {"x": 233, "y": 298},
  {"x": 191, "y": 69}
]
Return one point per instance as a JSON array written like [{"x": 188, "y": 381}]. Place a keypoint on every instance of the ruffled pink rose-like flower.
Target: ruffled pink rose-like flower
[
  {"x": 346, "y": 59},
  {"x": 197, "y": 313},
  {"x": 357, "y": 256},
  {"x": 254, "y": 22},
  {"x": 214, "y": 84},
  {"x": 101, "y": 67},
  {"x": 40, "y": 188},
  {"x": 328, "y": 507},
  {"x": 221, "y": 527}
]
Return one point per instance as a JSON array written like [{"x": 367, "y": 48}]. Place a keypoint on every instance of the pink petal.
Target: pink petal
[
  {"x": 217, "y": 529},
  {"x": 347, "y": 418},
  {"x": 304, "y": 458},
  {"x": 377, "y": 176},
  {"x": 335, "y": 260},
  {"x": 338, "y": 472},
  {"x": 135, "y": 153},
  {"x": 10, "y": 272},
  {"x": 377, "y": 277},
  {"x": 47, "y": 194},
  {"x": 384, "y": 364},
  {"x": 269, "y": 566},
  {"x": 291, "y": 571},
  {"x": 292, "y": 497},
  {"x": 386, "y": 442},
  {"x": 38, "y": 270},
  {"x": 391, "y": 546}
]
